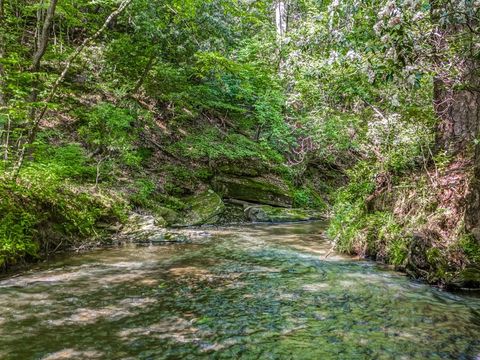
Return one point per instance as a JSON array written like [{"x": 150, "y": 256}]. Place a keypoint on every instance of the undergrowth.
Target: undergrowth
[{"x": 45, "y": 206}]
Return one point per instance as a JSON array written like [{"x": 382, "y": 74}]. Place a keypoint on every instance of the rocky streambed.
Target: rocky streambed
[{"x": 243, "y": 292}]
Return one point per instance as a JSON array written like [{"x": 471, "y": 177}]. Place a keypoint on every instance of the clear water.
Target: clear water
[{"x": 259, "y": 292}]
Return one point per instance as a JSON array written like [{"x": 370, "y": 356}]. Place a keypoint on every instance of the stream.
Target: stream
[{"x": 250, "y": 292}]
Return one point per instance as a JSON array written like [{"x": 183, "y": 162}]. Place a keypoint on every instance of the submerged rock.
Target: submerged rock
[
  {"x": 266, "y": 213},
  {"x": 204, "y": 208},
  {"x": 256, "y": 190}
]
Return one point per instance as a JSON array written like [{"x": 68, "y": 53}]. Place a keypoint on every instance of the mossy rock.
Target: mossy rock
[
  {"x": 233, "y": 214},
  {"x": 266, "y": 213},
  {"x": 202, "y": 209},
  {"x": 256, "y": 190}
]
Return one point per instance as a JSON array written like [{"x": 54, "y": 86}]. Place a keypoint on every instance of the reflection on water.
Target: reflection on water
[{"x": 259, "y": 292}]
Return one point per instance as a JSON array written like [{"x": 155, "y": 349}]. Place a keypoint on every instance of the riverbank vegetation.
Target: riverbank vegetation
[{"x": 211, "y": 112}]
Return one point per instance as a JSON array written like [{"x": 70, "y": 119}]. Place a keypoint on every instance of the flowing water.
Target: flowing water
[{"x": 256, "y": 292}]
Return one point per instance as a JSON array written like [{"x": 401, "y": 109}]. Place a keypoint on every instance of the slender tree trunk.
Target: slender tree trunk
[
  {"x": 281, "y": 22},
  {"x": 43, "y": 36},
  {"x": 467, "y": 109},
  {"x": 281, "y": 18},
  {"x": 3, "y": 98}
]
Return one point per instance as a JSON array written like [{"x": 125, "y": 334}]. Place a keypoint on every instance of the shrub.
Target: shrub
[
  {"x": 308, "y": 199},
  {"x": 110, "y": 131}
]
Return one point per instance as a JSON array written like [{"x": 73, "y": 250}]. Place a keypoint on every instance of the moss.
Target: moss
[{"x": 41, "y": 212}]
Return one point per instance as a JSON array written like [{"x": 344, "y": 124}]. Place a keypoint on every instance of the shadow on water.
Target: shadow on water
[{"x": 257, "y": 292}]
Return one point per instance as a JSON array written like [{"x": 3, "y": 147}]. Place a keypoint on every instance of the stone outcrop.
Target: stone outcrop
[{"x": 257, "y": 190}]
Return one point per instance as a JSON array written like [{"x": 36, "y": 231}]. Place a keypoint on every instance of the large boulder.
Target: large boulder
[
  {"x": 256, "y": 190},
  {"x": 202, "y": 209},
  {"x": 266, "y": 213}
]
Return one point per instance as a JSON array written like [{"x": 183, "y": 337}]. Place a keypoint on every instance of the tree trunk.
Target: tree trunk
[
  {"x": 281, "y": 23},
  {"x": 3, "y": 98},
  {"x": 44, "y": 36},
  {"x": 456, "y": 97},
  {"x": 472, "y": 203},
  {"x": 281, "y": 18},
  {"x": 457, "y": 101},
  {"x": 458, "y": 110}
]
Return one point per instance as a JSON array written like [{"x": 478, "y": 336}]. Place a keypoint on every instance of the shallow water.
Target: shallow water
[{"x": 258, "y": 292}]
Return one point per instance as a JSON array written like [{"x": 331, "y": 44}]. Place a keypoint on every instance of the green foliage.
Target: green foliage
[
  {"x": 110, "y": 131},
  {"x": 442, "y": 159},
  {"x": 350, "y": 87},
  {"x": 210, "y": 144},
  {"x": 144, "y": 189},
  {"x": 470, "y": 247},
  {"x": 16, "y": 228},
  {"x": 66, "y": 162},
  {"x": 350, "y": 212},
  {"x": 41, "y": 208},
  {"x": 398, "y": 249},
  {"x": 308, "y": 199},
  {"x": 375, "y": 234}
]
